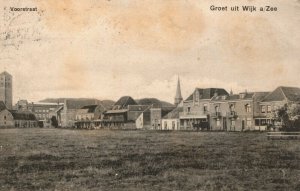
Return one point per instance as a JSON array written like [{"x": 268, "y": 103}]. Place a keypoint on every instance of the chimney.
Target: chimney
[
  {"x": 32, "y": 107},
  {"x": 216, "y": 93}
]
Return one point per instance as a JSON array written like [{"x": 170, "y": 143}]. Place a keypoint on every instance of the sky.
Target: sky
[{"x": 108, "y": 49}]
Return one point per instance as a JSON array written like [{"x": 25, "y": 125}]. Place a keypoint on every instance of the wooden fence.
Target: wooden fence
[{"x": 283, "y": 135}]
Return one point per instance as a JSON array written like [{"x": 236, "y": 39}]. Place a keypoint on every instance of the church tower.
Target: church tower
[
  {"x": 6, "y": 89},
  {"x": 178, "y": 97}
]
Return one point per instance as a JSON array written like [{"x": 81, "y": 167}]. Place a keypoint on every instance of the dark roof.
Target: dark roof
[
  {"x": 207, "y": 93},
  {"x": 154, "y": 102},
  {"x": 124, "y": 101},
  {"x": 247, "y": 96},
  {"x": 78, "y": 103},
  {"x": 234, "y": 96},
  {"x": 2, "y": 105},
  {"x": 257, "y": 96},
  {"x": 24, "y": 115},
  {"x": 174, "y": 113},
  {"x": 138, "y": 107},
  {"x": 149, "y": 101},
  {"x": 221, "y": 98},
  {"x": 166, "y": 110},
  {"x": 283, "y": 93},
  {"x": 90, "y": 108},
  {"x": 106, "y": 103}
]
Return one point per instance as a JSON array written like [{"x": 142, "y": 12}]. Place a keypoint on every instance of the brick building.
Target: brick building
[
  {"x": 124, "y": 113},
  {"x": 235, "y": 112},
  {"x": 196, "y": 108},
  {"x": 90, "y": 116},
  {"x": 16, "y": 119}
]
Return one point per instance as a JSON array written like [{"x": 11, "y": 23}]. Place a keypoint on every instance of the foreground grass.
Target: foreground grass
[{"x": 55, "y": 159}]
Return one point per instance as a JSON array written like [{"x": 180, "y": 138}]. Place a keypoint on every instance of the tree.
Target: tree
[
  {"x": 54, "y": 122},
  {"x": 289, "y": 115}
]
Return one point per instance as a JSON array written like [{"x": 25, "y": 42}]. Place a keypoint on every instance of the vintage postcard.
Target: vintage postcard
[{"x": 149, "y": 95}]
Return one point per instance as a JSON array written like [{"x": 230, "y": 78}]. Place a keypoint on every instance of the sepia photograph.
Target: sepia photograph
[{"x": 146, "y": 95}]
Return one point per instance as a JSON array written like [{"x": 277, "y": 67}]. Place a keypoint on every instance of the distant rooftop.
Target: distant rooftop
[
  {"x": 283, "y": 93},
  {"x": 207, "y": 93}
]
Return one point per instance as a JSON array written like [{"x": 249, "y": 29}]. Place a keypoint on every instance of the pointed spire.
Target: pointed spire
[
  {"x": 231, "y": 92},
  {"x": 178, "y": 97}
]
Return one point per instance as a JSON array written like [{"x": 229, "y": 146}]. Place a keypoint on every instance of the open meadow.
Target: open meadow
[{"x": 60, "y": 159}]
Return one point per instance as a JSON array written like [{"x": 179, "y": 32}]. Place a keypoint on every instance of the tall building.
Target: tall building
[
  {"x": 6, "y": 89},
  {"x": 178, "y": 97}
]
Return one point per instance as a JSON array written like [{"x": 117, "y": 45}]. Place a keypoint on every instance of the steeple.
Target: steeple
[{"x": 178, "y": 97}]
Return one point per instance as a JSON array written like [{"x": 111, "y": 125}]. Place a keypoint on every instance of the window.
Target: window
[
  {"x": 269, "y": 109},
  {"x": 217, "y": 108},
  {"x": 188, "y": 109},
  {"x": 218, "y": 122},
  {"x": 232, "y": 123},
  {"x": 248, "y": 108},
  {"x": 249, "y": 122},
  {"x": 263, "y": 122},
  {"x": 256, "y": 122},
  {"x": 173, "y": 125},
  {"x": 205, "y": 107},
  {"x": 166, "y": 125},
  {"x": 263, "y": 109},
  {"x": 231, "y": 107}
]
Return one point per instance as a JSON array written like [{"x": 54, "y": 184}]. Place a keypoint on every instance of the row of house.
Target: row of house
[
  {"x": 205, "y": 109},
  {"x": 216, "y": 109}
]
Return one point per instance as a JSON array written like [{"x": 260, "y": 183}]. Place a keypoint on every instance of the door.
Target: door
[
  {"x": 224, "y": 124},
  {"x": 243, "y": 125}
]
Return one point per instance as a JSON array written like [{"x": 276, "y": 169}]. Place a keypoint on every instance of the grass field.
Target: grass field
[{"x": 56, "y": 159}]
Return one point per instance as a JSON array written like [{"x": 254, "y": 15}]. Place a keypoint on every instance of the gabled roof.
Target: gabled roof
[
  {"x": 124, "y": 101},
  {"x": 2, "y": 106},
  {"x": 258, "y": 96},
  {"x": 24, "y": 115},
  {"x": 174, "y": 114},
  {"x": 207, "y": 93},
  {"x": 283, "y": 93}
]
